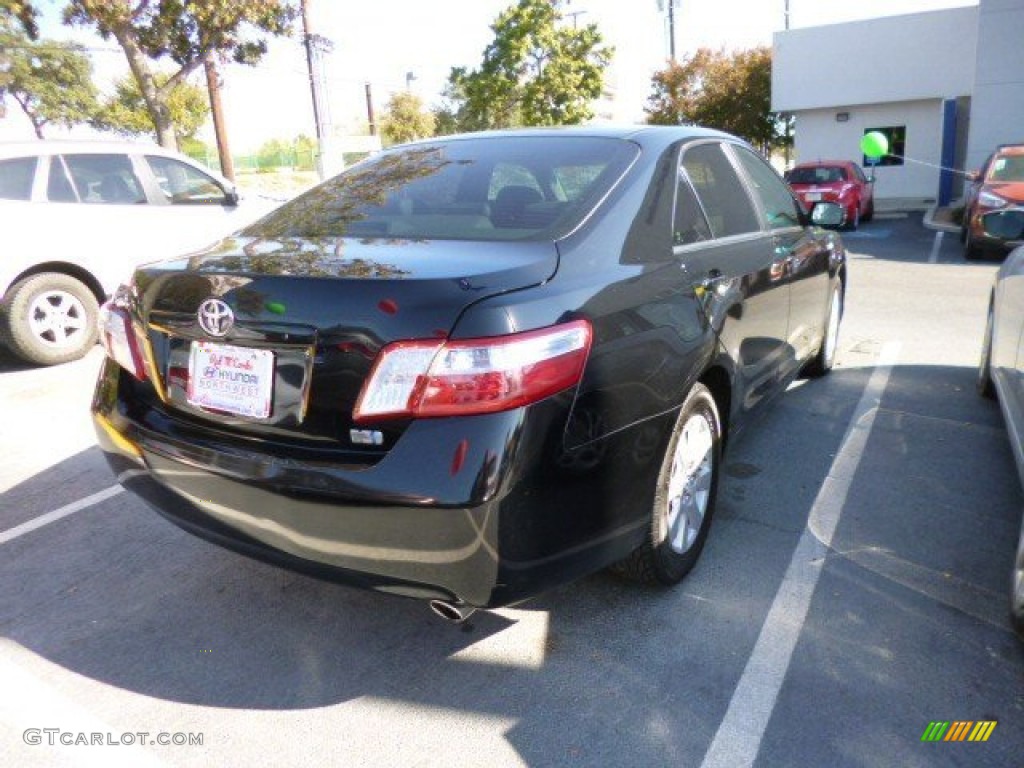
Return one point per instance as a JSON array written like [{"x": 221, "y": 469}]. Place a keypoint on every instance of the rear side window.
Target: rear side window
[
  {"x": 470, "y": 189},
  {"x": 16, "y": 177},
  {"x": 106, "y": 179},
  {"x": 182, "y": 184},
  {"x": 725, "y": 199}
]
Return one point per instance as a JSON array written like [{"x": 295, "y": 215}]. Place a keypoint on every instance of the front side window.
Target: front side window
[
  {"x": 778, "y": 207},
  {"x": 16, "y": 177},
  {"x": 105, "y": 179},
  {"x": 58, "y": 185},
  {"x": 720, "y": 191},
  {"x": 182, "y": 184},
  {"x": 470, "y": 189}
]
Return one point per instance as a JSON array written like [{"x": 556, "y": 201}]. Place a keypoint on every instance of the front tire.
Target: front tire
[
  {"x": 684, "y": 501},
  {"x": 972, "y": 251},
  {"x": 49, "y": 318},
  {"x": 984, "y": 380},
  {"x": 822, "y": 362}
]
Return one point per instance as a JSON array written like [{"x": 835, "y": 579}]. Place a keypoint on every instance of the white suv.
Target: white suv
[{"x": 77, "y": 217}]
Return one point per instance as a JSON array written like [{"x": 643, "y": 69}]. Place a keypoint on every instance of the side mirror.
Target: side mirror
[
  {"x": 231, "y": 196},
  {"x": 1006, "y": 225},
  {"x": 973, "y": 176},
  {"x": 828, "y": 215}
]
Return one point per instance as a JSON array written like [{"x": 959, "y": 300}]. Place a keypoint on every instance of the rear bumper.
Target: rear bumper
[{"x": 497, "y": 527}]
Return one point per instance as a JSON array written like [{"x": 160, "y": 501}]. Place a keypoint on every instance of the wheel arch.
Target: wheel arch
[{"x": 80, "y": 274}]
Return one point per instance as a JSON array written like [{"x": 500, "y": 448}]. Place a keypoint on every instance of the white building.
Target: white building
[{"x": 945, "y": 86}]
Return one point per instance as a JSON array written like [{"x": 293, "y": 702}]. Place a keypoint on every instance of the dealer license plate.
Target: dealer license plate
[{"x": 233, "y": 379}]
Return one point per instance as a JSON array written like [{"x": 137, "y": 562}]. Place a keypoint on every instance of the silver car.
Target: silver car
[
  {"x": 78, "y": 216},
  {"x": 1001, "y": 372}
]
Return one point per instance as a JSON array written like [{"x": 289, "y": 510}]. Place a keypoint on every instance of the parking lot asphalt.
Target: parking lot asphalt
[{"x": 854, "y": 589}]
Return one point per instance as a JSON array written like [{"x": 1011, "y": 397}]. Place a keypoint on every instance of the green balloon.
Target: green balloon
[{"x": 874, "y": 144}]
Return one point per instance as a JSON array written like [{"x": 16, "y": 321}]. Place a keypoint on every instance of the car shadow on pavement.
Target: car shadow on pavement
[{"x": 599, "y": 672}]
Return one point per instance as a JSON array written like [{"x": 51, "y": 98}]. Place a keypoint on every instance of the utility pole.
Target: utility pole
[
  {"x": 788, "y": 135},
  {"x": 315, "y": 46},
  {"x": 672, "y": 6},
  {"x": 369, "y": 111},
  {"x": 227, "y": 167}
]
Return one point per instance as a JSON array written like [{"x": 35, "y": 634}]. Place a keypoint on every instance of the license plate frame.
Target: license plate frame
[{"x": 230, "y": 379}]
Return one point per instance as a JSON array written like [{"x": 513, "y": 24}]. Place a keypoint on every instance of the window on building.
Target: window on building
[{"x": 896, "y": 135}]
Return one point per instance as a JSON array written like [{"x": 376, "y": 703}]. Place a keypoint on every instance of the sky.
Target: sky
[{"x": 383, "y": 42}]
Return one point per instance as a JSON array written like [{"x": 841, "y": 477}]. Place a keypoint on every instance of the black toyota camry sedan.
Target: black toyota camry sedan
[{"x": 468, "y": 369}]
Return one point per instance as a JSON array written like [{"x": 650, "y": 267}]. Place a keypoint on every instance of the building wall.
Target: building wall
[
  {"x": 894, "y": 59},
  {"x": 818, "y": 136},
  {"x": 997, "y": 103}
]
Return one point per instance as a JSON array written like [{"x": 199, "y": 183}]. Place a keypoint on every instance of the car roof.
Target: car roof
[
  {"x": 1010, "y": 149},
  {"x": 652, "y": 136},
  {"x": 10, "y": 149}
]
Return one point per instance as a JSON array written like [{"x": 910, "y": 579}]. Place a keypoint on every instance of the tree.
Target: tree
[
  {"x": 51, "y": 81},
  {"x": 405, "y": 119},
  {"x": 21, "y": 11},
  {"x": 186, "y": 33},
  {"x": 730, "y": 92},
  {"x": 536, "y": 71},
  {"x": 125, "y": 112}
]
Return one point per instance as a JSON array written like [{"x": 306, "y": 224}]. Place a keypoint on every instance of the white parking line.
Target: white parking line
[
  {"x": 933, "y": 257},
  {"x": 739, "y": 735},
  {"x": 38, "y": 522}
]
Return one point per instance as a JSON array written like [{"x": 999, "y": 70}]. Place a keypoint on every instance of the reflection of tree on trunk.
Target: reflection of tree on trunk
[
  {"x": 296, "y": 257},
  {"x": 331, "y": 208}
]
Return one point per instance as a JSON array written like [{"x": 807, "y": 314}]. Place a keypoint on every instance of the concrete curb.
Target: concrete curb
[{"x": 939, "y": 226}]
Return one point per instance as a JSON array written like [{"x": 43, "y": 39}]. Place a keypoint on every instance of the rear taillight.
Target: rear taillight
[
  {"x": 117, "y": 335},
  {"x": 458, "y": 378}
]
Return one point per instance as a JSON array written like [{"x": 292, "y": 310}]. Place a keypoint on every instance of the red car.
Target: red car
[
  {"x": 835, "y": 181},
  {"x": 999, "y": 184}
]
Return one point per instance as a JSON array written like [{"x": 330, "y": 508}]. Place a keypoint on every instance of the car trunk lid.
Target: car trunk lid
[{"x": 309, "y": 318}]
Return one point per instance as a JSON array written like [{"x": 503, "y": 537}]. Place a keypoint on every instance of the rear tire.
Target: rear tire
[
  {"x": 49, "y": 318},
  {"x": 853, "y": 222},
  {"x": 869, "y": 214},
  {"x": 823, "y": 361},
  {"x": 684, "y": 501}
]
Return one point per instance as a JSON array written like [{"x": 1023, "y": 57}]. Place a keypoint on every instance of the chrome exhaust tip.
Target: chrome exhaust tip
[{"x": 449, "y": 611}]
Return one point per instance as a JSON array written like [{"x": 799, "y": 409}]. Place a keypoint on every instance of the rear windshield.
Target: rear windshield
[
  {"x": 822, "y": 174},
  {"x": 471, "y": 189}
]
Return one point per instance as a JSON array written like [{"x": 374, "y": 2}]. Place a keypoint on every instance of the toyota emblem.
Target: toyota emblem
[{"x": 215, "y": 317}]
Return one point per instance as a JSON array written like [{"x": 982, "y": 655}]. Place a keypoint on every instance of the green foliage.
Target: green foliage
[
  {"x": 185, "y": 32},
  {"x": 536, "y": 71},
  {"x": 22, "y": 12},
  {"x": 51, "y": 81},
  {"x": 125, "y": 112},
  {"x": 405, "y": 119},
  {"x": 727, "y": 91}
]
